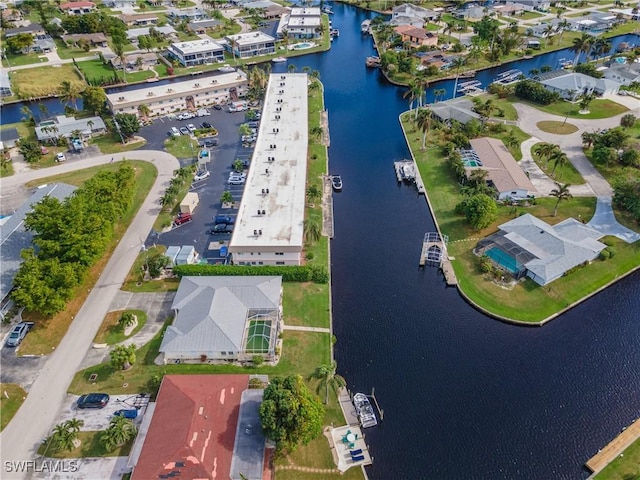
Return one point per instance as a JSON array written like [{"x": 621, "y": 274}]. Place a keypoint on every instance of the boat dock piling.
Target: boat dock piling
[
  {"x": 375, "y": 400},
  {"x": 407, "y": 170},
  {"x": 614, "y": 448}
]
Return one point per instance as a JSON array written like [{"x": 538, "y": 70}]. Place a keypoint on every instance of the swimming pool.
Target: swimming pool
[{"x": 303, "y": 45}]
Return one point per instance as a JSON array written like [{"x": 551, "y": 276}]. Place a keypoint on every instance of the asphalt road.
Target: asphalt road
[{"x": 20, "y": 440}]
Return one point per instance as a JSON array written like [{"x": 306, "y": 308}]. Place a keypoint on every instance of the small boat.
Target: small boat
[
  {"x": 327, "y": 10},
  {"x": 365, "y": 26},
  {"x": 226, "y": 68},
  {"x": 335, "y": 32},
  {"x": 372, "y": 62},
  {"x": 564, "y": 63},
  {"x": 152, "y": 79},
  {"x": 279, "y": 59},
  {"x": 508, "y": 77},
  {"x": 364, "y": 410},
  {"x": 336, "y": 182},
  {"x": 469, "y": 74}
]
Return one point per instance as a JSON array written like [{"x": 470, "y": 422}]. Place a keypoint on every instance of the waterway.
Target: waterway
[{"x": 464, "y": 396}]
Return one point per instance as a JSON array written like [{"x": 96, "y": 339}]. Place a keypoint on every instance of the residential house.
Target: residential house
[
  {"x": 458, "y": 109},
  {"x": 571, "y": 85},
  {"x": 627, "y": 13},
  {"x": 196, "y": 52},
  {"x": 416, "y": 37},
  {"x": 14, "y": 237},
  {"x": 42, "y": 42},
  {"x": 167, "y": 31},
  {"x": 436, "y": 58},
  {"x": 527, "y": 246},
  {"x": 540, "y": 30},
  {"x": 11, "y": 15},
  {"x": 205, "y": 427},
  {"x": 623, "y": 73},
  {"x": 176, "y": 15},
  {"x": 594, "y": 23},
  {"x": 274, "y": 11},
  {"x": 78, "y": 8},
  {"x": 509, "y": 9},
  {"x": 301, "y": 23},
  {"x": 202, "y": 26},
  {"x": 94, "y": 39},
  {"x": 503, "y": 172},
  {"x": 62, "y": 126},
  {"x": 9, "y": 138},
  {"x": 136, "y": 61},
  {"x": 5, "y": 84},
  {"x": 140, "y": 20},
  {"x": 180, "y": 95},
  {"x": 117, "y": 4},
  {"x": 246, "y": 45},
  {"x": 409, "y": 14},
  {"x": 224, "y": 318},
  {"x": 540, "y": 5},
  {"x": 472, "y": 12}
]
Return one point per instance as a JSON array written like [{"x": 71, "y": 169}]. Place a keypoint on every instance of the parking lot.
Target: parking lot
[{"x": 209, "y": 190}]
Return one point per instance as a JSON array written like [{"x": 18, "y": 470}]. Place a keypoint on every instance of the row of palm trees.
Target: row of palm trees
[
  {"x": 587, "y": 44},
  {"x": 552, "y": 154},
  {"x": 65, "y": 435}
]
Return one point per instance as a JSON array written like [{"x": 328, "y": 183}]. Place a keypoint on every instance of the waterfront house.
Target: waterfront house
[
  {"x": 42, "y": 42},
  {"x": 9, "y": 138},
  {"x": 409, "y": 14},
  {"x": 224, "y": 318},
  {"x": 527, "y": 246},
  {"x": 436, "y": 58},
  {"x": 540, "y": 5},
  {"x": 205, "y": 427},
  {"x": 176, "y": 15},
  {"x": 201, "y": 27},
  {"x": 274, "y": 11},
  {"x": 95, "y": 39},
  {"x": 77, "y": 8},
  {"x": 509, "y": 9},
  {"x": 62, "y": 126},
  {"x": 196, "y": 52},
  {"x": 594, "y": 24},
  {"x": 167, "y": 31},
  {"x": 416, "y": 37},
  {"x": 472, "y": 12},
  {"x": 120, "y": 3},
  {"x": 189, "y": 94},
  {"x": 571, "y": 85},
  {"x": 623, "y": 73},
  {"x": 5, "y": 84},
  {"x": 301, "y": 23},
  {"x": 136, "y": 61},
  {"x": 140, "y": 20},
  {"x": 503, "y": 172},
  {"x": 627, "y": 13},
  {"x": 246, "y": 45},
  {"x": 540, "y": 30},
  {"x": 458, "y": 109}
]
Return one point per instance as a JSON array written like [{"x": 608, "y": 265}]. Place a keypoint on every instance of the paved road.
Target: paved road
[{"x": 21, "y": 438}]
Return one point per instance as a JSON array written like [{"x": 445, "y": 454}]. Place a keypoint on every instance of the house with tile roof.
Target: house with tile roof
[
  {"x": 78, "y": 8},
  {"x": 416, "y": 36}
]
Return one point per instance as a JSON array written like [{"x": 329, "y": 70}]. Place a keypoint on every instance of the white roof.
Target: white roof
[
  {"x": 250, "y": 38},
  {"x": 305, "y": 11},
  {"x": 195, "y": 46},
  {"x": 136, "y": 32},
  {"x": 281, "y": 225}
]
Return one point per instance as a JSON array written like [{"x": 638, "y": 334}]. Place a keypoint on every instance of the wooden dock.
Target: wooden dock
[
  {"x": 434, "y": 251},
  {"x": 449, "y": 274},
  {"x": 414, "y": 177},
  {"x": 327, "y": 206},
  {"x": 614, "y": 448}
]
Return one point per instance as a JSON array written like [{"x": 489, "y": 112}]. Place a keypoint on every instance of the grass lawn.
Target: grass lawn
[
  {"x": 625, "y": 467},
  {"x": 95, "y": 70},
  {"x": 48, "y": 332},
  {"x": 43, "y": 81},
  {"x": 90, "y": 446},
  {"x": 111, "y": 333},
  {"x": 66, "y": 53},
  {"x": 599, "y": 108},
  {"x": 6, "y": 171},
  {"x": 109, "y": 143},
  {"x": 9, "y": 406},
  {"x": 306, "y": 304},
  {"x": 527, "y": 301},
  {"x": 139, "y": 76},
  {"x": 558, "y": 128},
  {"x": 182, "y": 147},
  {"x": 519, "y": 134},
  {"x": 564, "y": 174},
  {"x": 16, "y": 60},
  {"x": 134, "y": 282}
]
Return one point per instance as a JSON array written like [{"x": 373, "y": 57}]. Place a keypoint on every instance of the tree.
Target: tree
[
  {"x": 480, "y": 210},
  {"x": 581, "y": 45},
  {"x": 439, "y": 93},
  {"x": 244, "y": 130},
  {"x": 588, "y": 138},
  {"x": 119, "y": 432},
  {"x": 94, "y": 99},
  {"x": 127, "y": 319},
  {"x": 144, "y": 111},
  {"x": 328, "y": 378},
  {"x": 457, "y": 63},
  {"x": 20, "y": 42},
  {"x": 585, "y": 101},
  {"x": 601, "y": 47},
  {"x": 313, "y": 193},
  {"x": 128, "y": 124},
  {"x": 559, "y": 159},
  {"x": 562, "y": 193},
  {"x": 290, "y": 414},
  {"x": 30, "y": 150},
  {"x": 425, "y": 116},
  {"x": 118, "y": 49},
  {"x": 122, "y": 357},
  {"x": 630, "y": 158},
  {"x": 70, "y": 93},
  {"x": 545, "y": 150},
  {"x": 65, "y": 435},
  {"x": 312, "y": 230},
  {"x": 628, "y": 120},
  {"x": 226, "y": 197}
]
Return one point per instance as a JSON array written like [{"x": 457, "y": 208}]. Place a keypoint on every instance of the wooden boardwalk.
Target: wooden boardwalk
[
  {"x": 614, "y": 448},
  {"x": 327, "y": 206}
]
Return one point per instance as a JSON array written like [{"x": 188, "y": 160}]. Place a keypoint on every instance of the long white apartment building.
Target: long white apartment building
[
  {"x": 268, "y": 229},
  {"x": 196, "y": 52},
  {"x": 196, "y": 92}
]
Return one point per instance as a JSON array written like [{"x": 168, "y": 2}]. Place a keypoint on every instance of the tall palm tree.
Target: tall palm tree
[
  {"x": 313, "y": 193},
  {"x": 457, "y": 63},
  {"x": 69, "y": 93},
  {"x": 545, "y": 150},
  {"x": 585, "y": 101},
  {"x": 601, "y": 47},
  {"x": 62, "y": 439},
  {"x": 424, "y": 124},
  {"x": 412, "y": 93},
  {"x": 144, "y": 111},
  {"x": 558, "y": 159},
  {"x": 561, "y": 192},
  {"x": 563, "y": 26},
  {"x": 438, "y": 93},
  {"x": 119, "y": 432},
  {"x": 328, "y": 379},
  {"x": 547, "y": 31},
  {"x": 581, "y": 45}
]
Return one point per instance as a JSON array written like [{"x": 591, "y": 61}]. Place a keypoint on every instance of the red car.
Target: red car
[{"x": 182, "y": 218}]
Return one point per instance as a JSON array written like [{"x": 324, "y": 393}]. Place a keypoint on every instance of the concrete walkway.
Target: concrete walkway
[{"x": 306, "y": 329}]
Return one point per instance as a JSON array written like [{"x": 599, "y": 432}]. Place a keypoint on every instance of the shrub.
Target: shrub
[
  {"x": 258, "y": 360},
  {"x": 255, "y": 383},
  {"x": 309, "y": 256},
  {"x": 292, "y": 273}
]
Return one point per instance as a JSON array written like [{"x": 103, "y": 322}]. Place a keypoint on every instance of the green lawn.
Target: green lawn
[
  {"x": 11, "y": 397},
  {"x": 625, "y": 467},
  {"x": 557, "y": 128},
  {"x": 90, "y": 446},
  {"x": 182, "y": 147},
  {"x": 564, "y": 174},
  {"x": 42, "y": 81},
  {"x": 111, "y": 333},
  {"x": 95, "y": 70},
  {"x": 16, "y": 60},
  {"x": 306, "y": 304},
  {"x": 599, "y": 108},
  {"x": 111, "y": 143},
  {"x": 65, "y": 52}
]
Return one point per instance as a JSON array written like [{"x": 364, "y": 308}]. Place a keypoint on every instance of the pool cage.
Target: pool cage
[
  {"x": 505, "y": 254},
  {"x": 261, "y": 332},
  {"x": 470, "y": 158}
]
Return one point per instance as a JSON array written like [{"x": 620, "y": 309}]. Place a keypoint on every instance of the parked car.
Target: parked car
[
  {"x": 252, "y": 124},
  {"x": 199, "y": 176},
  {"x": 128, "y": 413},
  {"x": 175, "y": 132},
  {"x": 217, "y": 107},
  {"x": 182, "y": 218},
  {"x": 206, "y": 125},
  {"x": 203, "y": 112},
  {"x": 210, "y": 142},
  {"x": 236, "y": 180},
  {"x": 184, "y": 131},
  {"x": 218, "y": 219},
  {"x": 93, "y": 400},
  {"x": 221, "y": 228},
  {"x": 60, "y": 157},
  {"x": 186, "y": 115},
  {"x": 191, "y": 127},
  {"x": 237, "y": 174},
  {"x": 18, "y": 332},
  {"x": 248, "y": 138}
]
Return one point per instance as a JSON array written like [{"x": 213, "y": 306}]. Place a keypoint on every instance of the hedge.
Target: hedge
[{"x": 292, "y": 273}]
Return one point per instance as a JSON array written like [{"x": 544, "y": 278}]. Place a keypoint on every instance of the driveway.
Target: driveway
[{"x": 23, "y": 435}]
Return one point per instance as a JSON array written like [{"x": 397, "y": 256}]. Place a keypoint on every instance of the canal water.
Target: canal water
[{"x": 464, "y": 396}]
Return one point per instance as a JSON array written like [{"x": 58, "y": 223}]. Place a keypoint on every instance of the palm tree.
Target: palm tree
[
  {"x": 144, "y": 111},
  {"x": 118, "y": 49},
  {"x": 562, "y": 26},
  {"x": 90, "y": 124},
  {"x": 439, "y": 93},
  {"x": 311, "y": 230},
  {"x": 62, "y": 438},
  {"x": 559, "y": 159},
  {"x": 43, "y": 110},
  {"x": 119, "y": 432},
  {"x": 588, "y": 138},
  {"x": 74, "y": 424},
  {"x": 585, "y": 101},
  {"x": 561, "y": 192},
  {"x": 545, "y": 150},
  {"x": 69, "y": 93},
  {"x": 412, "y": 93},
  {"x": 512, "y": 140},
  {"x": 457, "y": 63},
  {"x": 581, "y": 45},
  {"x": 424, "y": 124},
  {"x": 313, "y": 193},
  {"x": 601, "y": 47},
  {"x": 291, "y": 68},
  {"x": 547, "y": 31},
  {"x": 328, "y": 379}
]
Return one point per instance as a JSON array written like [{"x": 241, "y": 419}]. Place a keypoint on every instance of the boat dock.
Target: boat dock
[
  {"x": 327, "y": 206},
  {"x": 434, "y": 251},
  {"x": 614, "y": 448},
  {"x": 407, "y": 170}
]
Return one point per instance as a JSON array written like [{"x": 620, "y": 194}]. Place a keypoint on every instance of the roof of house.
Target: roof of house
[
  {"x": 414, "y": 32},
  {"x": 212, "y": 311},
  {"x": 78, "y": 4},
  {"x": 193, "y": 428},
  {"x": 32, "y": 28},
  {"x": 502, "y": 168},
  {"x": 14, "y": 237},
  {"x": 451, "y": 111},
  {"x": 133, "y": 58},
  {"x": 9, "y": 134},
  {"x": 249, "y": 38},
  {"x": 557, "y": 248},
  {"x": 578, "y": 82},
  {"x": 139, "y": 16},
  {"x": 67, "y": 125},
  {"x": 98, "y": 37},
  {"x": 136, "y": 32},
  {"x": 209, "y": 23},
  {"x": 410, "y": 10},
  {"x": 630, "y": 71}
]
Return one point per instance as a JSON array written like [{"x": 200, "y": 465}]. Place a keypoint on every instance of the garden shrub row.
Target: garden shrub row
[{"x": 291, "y": 273}]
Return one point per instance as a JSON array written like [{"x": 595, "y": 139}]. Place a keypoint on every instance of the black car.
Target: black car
[
  {"x": 226, "y": 219},
  {"x": 220, "y": 228},
  {"x": 206, "y": 125},
  {"x": 218, "y": 107},
  {"x": 93, "y": 400},
  {"x": 210, "y": 142}
]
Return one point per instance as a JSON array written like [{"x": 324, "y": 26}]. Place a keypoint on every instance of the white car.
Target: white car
[
  {"x": 199, "y": 176},
  {"x": 60, "y": 157},
  {"x": 191, "y": 127},
  {"x": 203, "y": 112}
]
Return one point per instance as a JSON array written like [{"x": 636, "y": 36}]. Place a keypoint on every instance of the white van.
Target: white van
[{"x": 239, "y": 106}]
